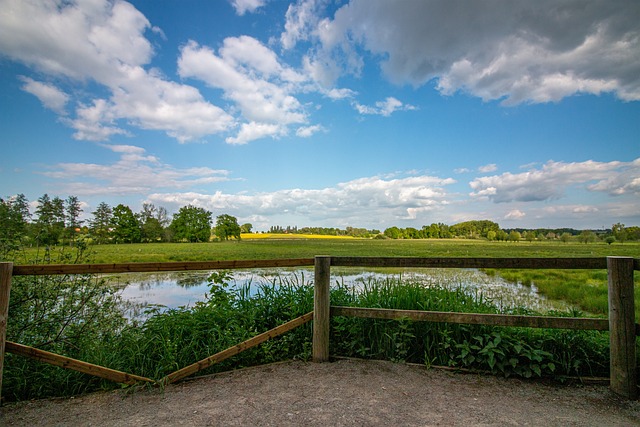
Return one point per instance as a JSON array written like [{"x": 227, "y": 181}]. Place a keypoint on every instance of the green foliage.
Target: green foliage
[
  {"x": 100, "y": 225},
  {"x": 501, "y": 353},
  {"x": 50, "y": 221},
  {"x": 14, "y": 216},
  {"x": 227, "y": 227},
  {"x": 192, "y": 224},
  {"x": 126, "y": 228}
]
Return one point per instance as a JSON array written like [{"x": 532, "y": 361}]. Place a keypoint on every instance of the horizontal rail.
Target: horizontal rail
[
  {"x": 74, "y": 364},
  {"x": 474, "y": 318},
  {"x": 142, "y": 267},
  {"x": 525, "y": 263}
]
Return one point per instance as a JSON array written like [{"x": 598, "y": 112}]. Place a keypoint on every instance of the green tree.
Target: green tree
[
  {"x": 152, "y": 228},
  {"x": 393, "y": 232},
  {"x": 226, "y": 227},
  {"x": 73, "y": 210},
  {"x": 619, "y": 232},
  {"x": 49, "y": 225},
  {"x": 587, "y": 236},
  {"x": 530, "y": 236},
  {"x": 100, "y": 225},
  {"x": 192, "y": 224},
  {"x": 514, "y": 236},
  {"x": 14, "y": 218},
  {"x": 565, "y": 237},
  {"x": 246, "y": 228},
  {"x": 491, "y": 235},
  {"x": 126, "y": 228}
]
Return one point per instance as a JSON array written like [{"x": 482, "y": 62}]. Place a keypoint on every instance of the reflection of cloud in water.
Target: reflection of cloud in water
[{"x": 186, "y": 288}]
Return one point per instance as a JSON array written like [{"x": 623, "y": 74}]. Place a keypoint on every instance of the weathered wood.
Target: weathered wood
[
  {"x": 520, "y": 263},
  {"x": 321, "y": 309},
  {"x": 622, "y": 328},
  {"x": 474, "y": 318},
  {"x": 6, "y": 269},
  {"x": 141, "y": 267},
  {"x": 75, "y": 365},
  {"x": 232, "y": 351}
]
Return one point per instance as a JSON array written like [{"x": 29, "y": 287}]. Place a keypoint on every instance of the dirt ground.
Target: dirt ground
[{"x": 341, "y": 393}]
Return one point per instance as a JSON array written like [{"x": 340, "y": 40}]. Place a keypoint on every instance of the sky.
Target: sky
[{"x": 362, "y": 113}]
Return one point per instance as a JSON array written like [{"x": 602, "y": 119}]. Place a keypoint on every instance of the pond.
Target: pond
[{"x": 178, "y": 289}]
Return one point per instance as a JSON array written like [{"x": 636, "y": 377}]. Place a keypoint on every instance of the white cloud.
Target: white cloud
[
  {"x": 104, "y": 41},
  {"x": 514, "y": 214},
  {"x": 384, "y": 108},
  {"x": 502, "y": 50},
  {"x": 552, "y": 180},
  {"x": 244, "y": 6},
  {"x": 307, "y": 131},
  {"x": 301, "y": 18},
  {"x": 346, "y": 203},
  {"x": 488, "y": 168},
  {"x": 135, "y": 172},
  {"x": 50, "y": 96},
  {"x": 250, "y": 75}
]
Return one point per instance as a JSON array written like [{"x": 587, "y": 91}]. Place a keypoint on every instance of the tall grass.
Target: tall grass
[{"x": 167, "y": 340}]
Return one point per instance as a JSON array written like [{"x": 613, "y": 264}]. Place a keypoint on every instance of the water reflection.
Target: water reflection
[{"x": 177, "y": 289}]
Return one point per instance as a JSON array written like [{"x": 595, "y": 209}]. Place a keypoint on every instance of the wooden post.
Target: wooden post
[
  {"x": 6, "y": 270},
  {"x": 321, "y": 309},
  {"x": 622, "y": 327}
]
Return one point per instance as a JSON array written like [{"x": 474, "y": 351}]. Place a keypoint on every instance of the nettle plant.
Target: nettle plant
[{"x": 500, "y": 354}]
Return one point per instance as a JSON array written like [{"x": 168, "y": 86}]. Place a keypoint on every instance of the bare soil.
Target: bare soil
[{"x": 342, "y": 393}]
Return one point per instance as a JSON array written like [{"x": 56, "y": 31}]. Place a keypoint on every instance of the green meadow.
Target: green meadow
[{"x": 270, "y": 248}]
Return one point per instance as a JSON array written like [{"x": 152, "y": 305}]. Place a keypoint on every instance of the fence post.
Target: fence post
[
  {"x": 622, "y": 336},
  {"x": 321, "y": 312},
  {"x": 6, "y": 270}
]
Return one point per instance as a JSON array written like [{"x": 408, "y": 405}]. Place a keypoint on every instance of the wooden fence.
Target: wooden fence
[{"x": 621, "y": 323}]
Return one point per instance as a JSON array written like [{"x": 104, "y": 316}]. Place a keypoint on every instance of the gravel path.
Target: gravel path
[{"x": 342, "y": 393}]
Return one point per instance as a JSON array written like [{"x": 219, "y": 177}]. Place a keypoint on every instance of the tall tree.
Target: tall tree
[
  {"x": 226, "y": 227},
  {"x": 73, "y": 211},
  {"x": 619, "y": 232},
  {"x": 14, "y": 218},
  {"x": 126, "y": 228},
  {"x": 192, "y": 224},
  {"x": 49, "y": 224},
  {"x": 100, "y": 225}
]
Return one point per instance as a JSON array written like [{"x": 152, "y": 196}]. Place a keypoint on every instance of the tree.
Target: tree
[
  {"x": 619, "y": 232},
  {"x": 126, "y": 228},
  {"x": 587, "y": 236},
  {"x": 192, "y": 224},
  {"x": 152, "y": 228},
  {"x": 393, "y": 232},
  {"x": 226, "y": 227},
  {"x": 14, "y": 218},
  {"x": 49, "y": 225},
  {"x": 101, "y": 224},
  {"x": 73, "y": 211},
  {"x": 609, "y": 240},
  {"x": 514, "y": 236},
  {"x": 530, "y": 236},
  {"x": 246, "y": 228},
  {"x": 565, "y": 237}
]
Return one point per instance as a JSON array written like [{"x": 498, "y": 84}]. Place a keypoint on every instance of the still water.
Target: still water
[{"x": 177, "y": 289}]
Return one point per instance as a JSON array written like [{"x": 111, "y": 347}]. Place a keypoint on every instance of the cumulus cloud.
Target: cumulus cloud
[
  {"x": 515, "y": 214},
  {"x": 551, "y": 181},
  {"x": 307, "y": 131},
  {"x": 488, "y": 168},
  {"x": 346, "y": 203},
  {"x": 135, "y": 172},
  {"x": 105, "y": 42},
  {"x": 244, "y": 6},
  {"x": 514, "y": 51},
  {"x": 50, "y": 96},
  {"x": 251, "y": 76},
  {"x": 384, "y": 108}
]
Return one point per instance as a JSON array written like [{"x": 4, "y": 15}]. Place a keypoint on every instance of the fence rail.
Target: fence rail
[{"x": 621, "y": 323}]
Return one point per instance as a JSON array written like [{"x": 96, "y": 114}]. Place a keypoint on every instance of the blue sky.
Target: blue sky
[{"x": 361, "y": 113}]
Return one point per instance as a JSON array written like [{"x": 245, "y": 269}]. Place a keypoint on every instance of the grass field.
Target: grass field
[{"x": 264, "y": 246}]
